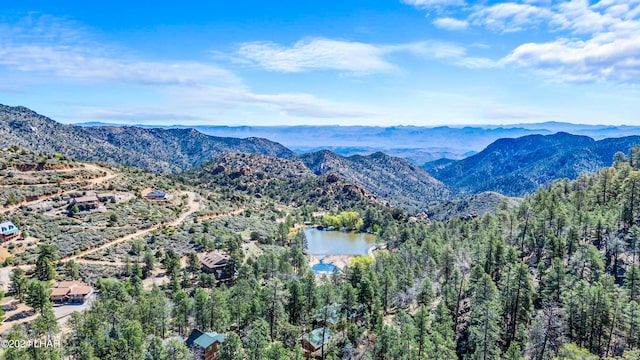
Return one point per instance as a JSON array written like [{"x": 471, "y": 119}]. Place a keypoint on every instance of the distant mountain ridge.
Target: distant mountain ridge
[
  {"x": 418, "y": 144},
  {"x": 509, "y": 166},
  {"x": 156, "y": 150},
  {"x": 514, "y": 167}
]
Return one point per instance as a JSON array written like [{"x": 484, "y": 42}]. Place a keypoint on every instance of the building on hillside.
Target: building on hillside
[
  {"x": 106, "y": 197},
  {"x": 204, "y": 345},
  {"x": 8, "y": 231},
  {"x": 157, "y": 195},
  {"x": 218, "y": 264},
  {"x": 313, "y": 342},
  {"x": 86, "y": 202},
  {"x": 327, "y": 315},
  {"x": 70, "y": 291}
]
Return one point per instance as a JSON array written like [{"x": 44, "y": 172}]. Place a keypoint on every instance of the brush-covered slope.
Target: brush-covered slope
[
  {"x": 403, "y": 184},
  {"x": 157, "y": 150},
  {"x": 286, "y": 182},
  {"x": 471, "y": 206},
  {"x": 514, "y": 167}
]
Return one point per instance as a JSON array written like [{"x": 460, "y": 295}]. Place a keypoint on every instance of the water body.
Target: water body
[
  {"x": 322, "y": 268},
  {"x": 337, "y": 242}
]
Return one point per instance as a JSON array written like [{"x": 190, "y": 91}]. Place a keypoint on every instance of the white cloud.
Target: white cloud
[
  {"x": 605, "y": 57},
  {"x": 479, "y": 63},
  {"x": 319, "y": 54},
  {"x": 53, "y": 49},
  {"x": 57, "y": 48},
  {"x": 429, "y": 49},
  {"x": 289, "y": 104},
  {"x": 328, "y": 54},
  {"x": 426, "y": 4},
  {"x": 509, "y": 17},
  {"x": 79, "y": 64},
  {"x": 451, "y": 24},
  {"x": 604, "y": 44},
  {"x": 590, "y": 41}
]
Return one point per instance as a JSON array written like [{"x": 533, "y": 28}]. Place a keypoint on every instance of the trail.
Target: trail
[{"x": 192, "y": 205}]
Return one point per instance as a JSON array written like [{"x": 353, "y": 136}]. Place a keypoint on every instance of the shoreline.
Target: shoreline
[{"x": 339, "y": 260}]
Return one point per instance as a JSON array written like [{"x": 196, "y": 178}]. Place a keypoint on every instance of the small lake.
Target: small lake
[{"x": 337, "y": 242}]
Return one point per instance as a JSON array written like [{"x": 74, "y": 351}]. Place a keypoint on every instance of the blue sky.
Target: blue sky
[{"x": 404, "y": 62}]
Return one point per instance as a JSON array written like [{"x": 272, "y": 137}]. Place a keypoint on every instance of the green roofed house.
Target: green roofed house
[
  {"x": 313, "y": 341},
  {"x": 8, "y": 231},
  {"x": 204, "y": 345},
  {"x": 327, "y": 315}
]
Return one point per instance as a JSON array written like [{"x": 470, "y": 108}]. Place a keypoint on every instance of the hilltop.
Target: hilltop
[
  {"x": 400, "y": 182},
  {"x": 156, "y": 150},
  {"x": 514, "y": 167}
]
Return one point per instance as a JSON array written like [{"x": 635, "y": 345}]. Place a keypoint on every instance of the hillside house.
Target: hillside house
[
  {"x": 313, "y": 342},
  {"x": 106, "y": 197},
  {"x": 70, "y": 291},
  {"x": 86, "y": 202},
  {"x": 157, "y": 195},
  {"x": 8, "y": 231},
  {"x": 204, "y": 345},
  {"x": 218, "y": 264},
  {"x": 327, "y": 315}
]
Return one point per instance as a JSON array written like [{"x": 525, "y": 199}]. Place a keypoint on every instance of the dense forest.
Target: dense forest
[{"x": 556, "y": 277}]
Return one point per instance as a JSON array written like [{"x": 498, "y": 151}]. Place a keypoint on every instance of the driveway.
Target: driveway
[{"x": 63, "y": 311}]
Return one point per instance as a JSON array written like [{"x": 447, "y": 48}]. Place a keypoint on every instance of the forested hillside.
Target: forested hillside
[
  {"x": 515, "y": 167},
  {"x": 555, "y": 278}
]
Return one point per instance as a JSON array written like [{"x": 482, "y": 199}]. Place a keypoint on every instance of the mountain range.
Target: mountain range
[
  {"x": 514, "y": 167},
  {"x": 509, "y": 166},
  {"x": 414, "y": 143},
  {"x": 156, "y": 150}
]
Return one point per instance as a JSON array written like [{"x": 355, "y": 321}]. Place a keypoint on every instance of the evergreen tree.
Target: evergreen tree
[
  {"x": 295, "y": 301},
  {"x": 232, "y": 348},
  {"x": 519, "y": 302},
  {"x": 181, "y": 310},
  {"x": 421, "y": 320},
  {"x": 553, "y": 282},
  {"x": 484, "y": 324},
  {"x": 632, "y": 282},
  {"x": 18, "y": 286},
  {"x": 38, "y": 294},
  {"x": 442, "y": 336},
  {"x": 45, "y": 267}
]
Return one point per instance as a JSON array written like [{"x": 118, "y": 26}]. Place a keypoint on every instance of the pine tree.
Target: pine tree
[
  {"x": 519, "y": 303},
  {"x": 421, "y": 320},
  {"x": 232, "y": 347},
  {"x": 632, "y": 282},
  {"x": 201, "y": 309},
  {"x": 38, "y": 293},
  {"x": 295, "y": 301},
  {"x": 181, "y": 310},
  {"x": 442, "y": 336},
  {"x": 484, "y": 324},
  {"x": 18, "y": 284},
  {"x": 45, "y": 267},
  {"x": 553, "y": 282}
]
